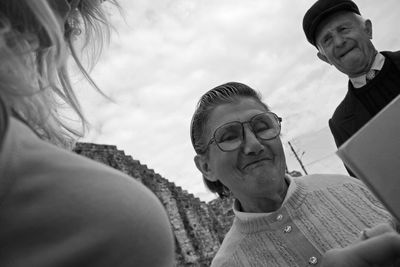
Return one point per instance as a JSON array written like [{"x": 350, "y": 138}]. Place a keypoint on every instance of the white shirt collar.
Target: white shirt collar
[
  {"x": 360, "y": 81},
  {"x": 244, "y": 216}
]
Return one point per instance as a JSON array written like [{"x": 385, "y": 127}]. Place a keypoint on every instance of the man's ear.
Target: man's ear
[
  {"x": 323, "y": 58},
  {"x": 368, "y": 28},
  {"x": 202, "y": 164}
]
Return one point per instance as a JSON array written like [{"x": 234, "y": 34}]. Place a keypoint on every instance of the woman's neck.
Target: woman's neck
[{"x": 266, "y": 204}]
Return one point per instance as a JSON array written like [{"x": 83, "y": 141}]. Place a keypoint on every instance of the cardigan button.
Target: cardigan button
[
  {"x": 287, "y": 229},
  {"x": 313, "y": 260},
  {"x": 279, "y": 217}
]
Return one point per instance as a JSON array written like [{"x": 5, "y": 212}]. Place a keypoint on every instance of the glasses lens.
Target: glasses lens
[
  {"x": 229, "y": 136},
  {"x": 265, "y": 126}
]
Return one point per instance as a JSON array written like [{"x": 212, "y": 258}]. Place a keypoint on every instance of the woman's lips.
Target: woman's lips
[{"x": 255, "y": 162}]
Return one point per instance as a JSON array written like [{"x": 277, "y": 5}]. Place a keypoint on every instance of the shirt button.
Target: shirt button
[
  {"x": 279, "y": 217},
  {"x": 287, "y": 229},
  {"x": 313, "y": 260}
]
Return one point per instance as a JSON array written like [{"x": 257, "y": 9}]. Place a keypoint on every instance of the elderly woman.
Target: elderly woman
[
  {"x": 279, "y": 220},
  {"x": 58, "y": 208}
]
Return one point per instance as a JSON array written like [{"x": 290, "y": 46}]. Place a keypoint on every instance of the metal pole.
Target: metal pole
[{"x": 297, "y": 157}]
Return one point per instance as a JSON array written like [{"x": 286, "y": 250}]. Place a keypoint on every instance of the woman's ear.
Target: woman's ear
[{"x": 201, "y": 162}]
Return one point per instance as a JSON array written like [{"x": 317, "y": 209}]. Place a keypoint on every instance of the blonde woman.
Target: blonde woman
[{"x": 57, "y": 208}]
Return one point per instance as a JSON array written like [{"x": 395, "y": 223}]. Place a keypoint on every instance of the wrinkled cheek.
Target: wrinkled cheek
[{"x": 238, "y": 175}]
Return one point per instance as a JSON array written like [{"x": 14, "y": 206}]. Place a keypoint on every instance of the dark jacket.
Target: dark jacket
[{"x": 351, "y": 115}]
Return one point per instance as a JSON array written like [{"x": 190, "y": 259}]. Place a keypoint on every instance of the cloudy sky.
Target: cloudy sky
[{"x": 164, "y": 54}]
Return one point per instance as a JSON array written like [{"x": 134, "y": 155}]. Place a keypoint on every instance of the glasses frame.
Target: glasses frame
[{"x": 276, "y": 117}]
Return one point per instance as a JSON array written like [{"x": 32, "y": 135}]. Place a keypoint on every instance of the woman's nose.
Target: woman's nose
[{"x": 251, "y": 144}]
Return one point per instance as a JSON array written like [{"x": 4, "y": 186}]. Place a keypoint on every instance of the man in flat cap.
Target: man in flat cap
[{"x": 343, "y": 39}]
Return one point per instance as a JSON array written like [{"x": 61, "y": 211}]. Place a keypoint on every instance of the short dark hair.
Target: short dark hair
[{"x": 222, "y": 94}]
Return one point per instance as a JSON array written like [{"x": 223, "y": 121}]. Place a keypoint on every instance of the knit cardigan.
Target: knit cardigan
[{"x": 323, "y": 212}]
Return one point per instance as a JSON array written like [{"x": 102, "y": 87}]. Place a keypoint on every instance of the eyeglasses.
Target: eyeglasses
[{"x": 230, "y": 136}]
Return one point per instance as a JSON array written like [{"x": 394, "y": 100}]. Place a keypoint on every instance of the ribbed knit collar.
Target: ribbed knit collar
[{"x": 254, "y": 222}]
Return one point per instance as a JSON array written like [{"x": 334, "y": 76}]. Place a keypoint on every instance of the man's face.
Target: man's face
[
  {"x": 344, "y": 41},
  {"x": 255, "y": 169}
]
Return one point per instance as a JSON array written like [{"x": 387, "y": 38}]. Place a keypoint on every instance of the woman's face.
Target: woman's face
[{"x": 257, "y": 167}]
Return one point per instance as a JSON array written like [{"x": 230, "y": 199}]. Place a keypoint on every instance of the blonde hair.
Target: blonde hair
[{"x": 35, "y": 39}]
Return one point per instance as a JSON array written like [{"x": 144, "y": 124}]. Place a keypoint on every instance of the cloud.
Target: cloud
[{"x": 167, "y": 53}]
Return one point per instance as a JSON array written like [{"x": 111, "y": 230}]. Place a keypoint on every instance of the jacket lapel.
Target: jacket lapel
[{"x": 355, "y": 115}]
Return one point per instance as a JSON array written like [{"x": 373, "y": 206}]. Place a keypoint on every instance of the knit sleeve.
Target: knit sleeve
[
  {"x": 371, "y": 197},
  {"x": 227, "y": 255},
  {"x": 379, "y": 206},
  {"x": 226, "y": 262}
]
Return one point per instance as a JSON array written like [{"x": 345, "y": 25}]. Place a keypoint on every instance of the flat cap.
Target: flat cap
[{"x": 321, "y": 10}]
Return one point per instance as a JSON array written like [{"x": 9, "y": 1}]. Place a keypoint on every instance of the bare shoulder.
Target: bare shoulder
[{"x": 95, "y": 207}]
